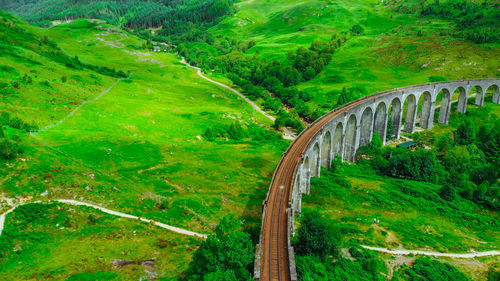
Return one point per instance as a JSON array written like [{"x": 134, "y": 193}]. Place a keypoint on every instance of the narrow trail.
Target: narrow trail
[
  {"x": 403, "y": 252},
  {"x": 400, "y": 252},
  {"x": 286, "y": 133},
  {"x": 50, "y": 126},
  {"x": 104, "y": 210}
]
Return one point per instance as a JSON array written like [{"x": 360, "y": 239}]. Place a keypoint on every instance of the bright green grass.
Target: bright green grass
[
  {"x": 406, "y": 220},
  {"x": 61, "y": 241},
  {"x": 142, "y": 140},
  {"x": 138, "y": 149},
  {"x": 389, "y": 54}
]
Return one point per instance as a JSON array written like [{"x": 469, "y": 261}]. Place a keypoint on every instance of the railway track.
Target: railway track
[{"x": 274, "y": 259}]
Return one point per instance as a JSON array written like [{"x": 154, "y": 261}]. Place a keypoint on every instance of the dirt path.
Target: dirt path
[
  {"x": 107, "y": 211},
  {"x": 286, "y": 133},
  {"x": 403, "y": 252}
]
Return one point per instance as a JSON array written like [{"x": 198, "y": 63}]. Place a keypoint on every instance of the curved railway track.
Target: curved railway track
[{"x": 274, "y": 260}]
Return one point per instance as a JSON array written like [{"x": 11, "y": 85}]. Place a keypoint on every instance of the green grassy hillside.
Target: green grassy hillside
[
  {"x": 394, "y": 49},
  {"x": 134, "y": 144},
  {"x": 63, "y": 242}
]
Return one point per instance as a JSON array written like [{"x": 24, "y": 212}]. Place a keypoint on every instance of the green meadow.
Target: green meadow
[
  {"x": 133, "y": 144},
  {"x": 143, "y": 142},
  {"x": 395, "y": 50},
  {"x": 57, "y": 241}
]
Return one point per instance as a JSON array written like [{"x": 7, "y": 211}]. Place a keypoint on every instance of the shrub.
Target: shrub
[
  {"x": 357, "y": 29},
  {"x": 227, "y": 252},
  {"x": 426, "y": 269},
  {"x": 316, "y": 236}
]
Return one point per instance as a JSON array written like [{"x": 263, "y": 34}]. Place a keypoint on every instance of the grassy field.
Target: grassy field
[
  {"x": 57, "y": 241},
  {"x": 395, "y": 49},
  {"x": 137, "y": 148}
]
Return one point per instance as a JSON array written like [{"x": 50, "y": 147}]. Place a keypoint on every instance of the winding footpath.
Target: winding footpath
[
  {"x": 403, "y": 252},
  {"x": 400, "y": 252},
  {"x": 286, "y": 133},
  {"x": 104, "y": 210}
]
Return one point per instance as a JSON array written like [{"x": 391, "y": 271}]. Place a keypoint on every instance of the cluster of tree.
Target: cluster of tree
[
  {"x": 174, "y": 16},
  {"x": 257, "y": 76},
  {"x": 351, "y": 94},
  {"x": 17, "y": 123},
  {"x": 9, "y": 149},
  {"x": 235, "y": 131},
  {"x": 475, "y": 20},
  {"x": 228, "y": 254},
  {"x": 467, "y": 164},
  {"x": 318, "y": 253}
]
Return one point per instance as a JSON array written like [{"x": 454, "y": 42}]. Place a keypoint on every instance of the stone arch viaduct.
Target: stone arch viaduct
[{"x": 341, "y": 132}]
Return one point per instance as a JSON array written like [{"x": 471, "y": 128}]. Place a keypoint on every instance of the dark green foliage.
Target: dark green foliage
[
  {"x": 17, "y": 123},
  {"x": 390, "y": 129},
  {"x": 316, "y": 263},
  {"x": 343, "y": 98},
  {"x": 437, "y": 78},
  {"x": 376, "y": 141},
  {"x": 426, "y": 269},
  {"x": 444, "y": 144},
  {"x": 370, "y": 263},
  {"x": 351, "y": 94},
  {"x": 447, "y": 192},
  {"x": 2, "y": 134},
  {"x": 285, "y": 119},
  {"x": 235, "y": 131},
  {"x": 310, "y": 268},
  {"x": 9, "y": 149},
  {"x": 178, "y": 18},
  {"x": 417, "y": 165},
  {"x": 93, "y": 276},
  {"x": 228, "y": 253},
  {"x": 316, "y": 236},
  {"x": 466, "y": 132},
  {"x": 357, "y": 29}
]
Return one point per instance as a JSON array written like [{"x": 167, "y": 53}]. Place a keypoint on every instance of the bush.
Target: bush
[
  {"x": 357, "y": 29},
  {"x": 227, "y": 253},
  {"x": 316, "y": 236},
  {"x": 426, "y": 269},
  {"x": 9, "y": 150}
]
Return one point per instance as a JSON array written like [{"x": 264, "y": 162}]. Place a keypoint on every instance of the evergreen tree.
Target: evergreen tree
[
  {"x": 390, "y": 129},
  {"x": 343, "y": 97},
  {"x": 466, "y": 132},
  {"x": 447, "y": 192}
]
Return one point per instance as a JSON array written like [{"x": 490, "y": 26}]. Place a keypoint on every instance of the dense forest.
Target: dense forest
[{"x": 174, "y": 16}]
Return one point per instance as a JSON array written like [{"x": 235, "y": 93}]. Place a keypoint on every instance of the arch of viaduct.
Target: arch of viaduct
[{"x": 340, "y": 133}]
